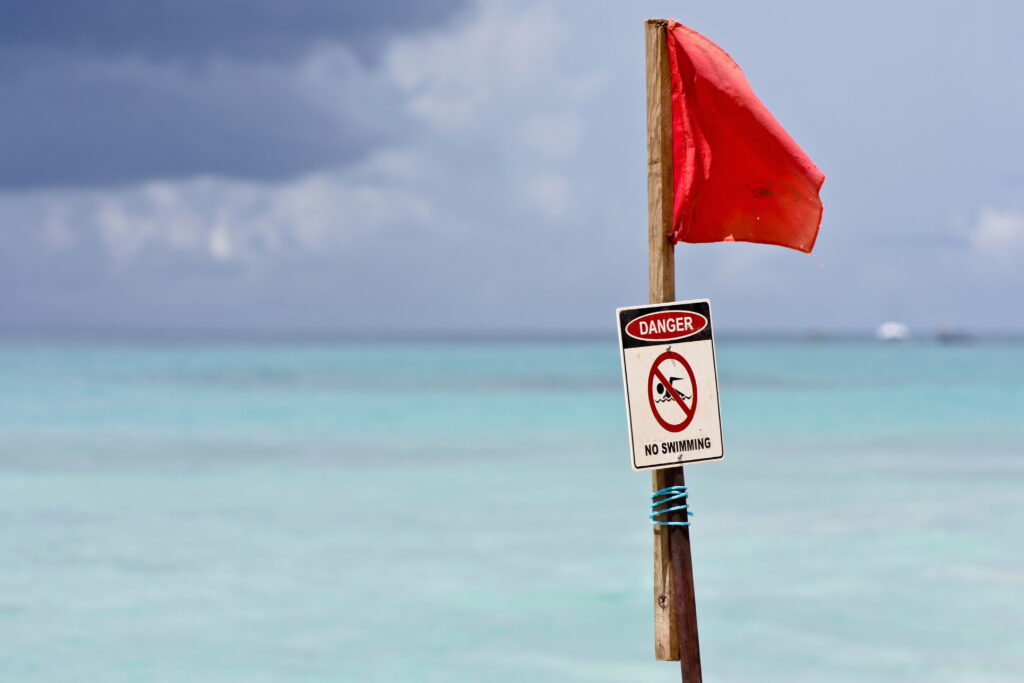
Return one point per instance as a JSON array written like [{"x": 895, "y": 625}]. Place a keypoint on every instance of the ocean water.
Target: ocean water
[{"x": 230, "y": 512}]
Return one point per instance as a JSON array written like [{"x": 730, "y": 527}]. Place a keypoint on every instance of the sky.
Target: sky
[{"x": 410, "y": 166}]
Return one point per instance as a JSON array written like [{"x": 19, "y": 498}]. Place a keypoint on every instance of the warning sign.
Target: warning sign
[{"x": 668, "y": 369}]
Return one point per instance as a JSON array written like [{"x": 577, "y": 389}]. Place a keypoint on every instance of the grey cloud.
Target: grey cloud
[
  {"x": 103, "y": 124},
  {"x": 190, "y": 30},
  {"x": 116, "y": 92}
]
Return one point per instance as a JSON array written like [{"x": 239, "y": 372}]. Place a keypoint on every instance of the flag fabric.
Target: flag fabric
[{"x": 738, "y": 176}]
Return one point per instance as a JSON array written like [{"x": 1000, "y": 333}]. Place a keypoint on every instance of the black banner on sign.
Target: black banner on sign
[{"x": 654, "y": 325}]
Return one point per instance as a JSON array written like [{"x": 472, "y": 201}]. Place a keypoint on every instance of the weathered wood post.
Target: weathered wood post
[{"x": 675, "y": 614}]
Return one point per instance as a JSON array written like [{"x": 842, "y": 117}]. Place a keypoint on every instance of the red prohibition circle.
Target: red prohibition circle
[{"x": 656, "y": 374}]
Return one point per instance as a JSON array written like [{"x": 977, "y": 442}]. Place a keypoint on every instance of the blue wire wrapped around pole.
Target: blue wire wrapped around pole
[{"x": 668, "y": 496}]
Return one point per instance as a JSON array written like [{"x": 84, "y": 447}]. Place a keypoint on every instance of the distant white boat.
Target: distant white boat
[{"x": 893, "y": 332}]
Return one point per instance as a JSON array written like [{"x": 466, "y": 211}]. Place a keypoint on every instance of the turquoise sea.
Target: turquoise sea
[{"x": 387, "y": 512}]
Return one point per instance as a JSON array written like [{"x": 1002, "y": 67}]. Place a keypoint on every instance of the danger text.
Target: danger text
[{"x": 665, "y": 325}]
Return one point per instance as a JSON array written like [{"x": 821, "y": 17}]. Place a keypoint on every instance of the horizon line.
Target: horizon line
[{"x": 390, "y": 335}]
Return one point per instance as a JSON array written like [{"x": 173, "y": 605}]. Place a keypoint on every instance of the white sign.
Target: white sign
[{"x": 668, "y": 369}]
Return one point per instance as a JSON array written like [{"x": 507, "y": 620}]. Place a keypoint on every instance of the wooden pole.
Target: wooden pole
[{"x": 675, "y": 613}]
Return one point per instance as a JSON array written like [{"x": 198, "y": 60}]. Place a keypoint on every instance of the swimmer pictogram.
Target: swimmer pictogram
[{"x": 672, "y": 391}]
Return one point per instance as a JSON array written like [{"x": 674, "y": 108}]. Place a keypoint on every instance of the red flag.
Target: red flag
[{"x": 738, "y": 174}]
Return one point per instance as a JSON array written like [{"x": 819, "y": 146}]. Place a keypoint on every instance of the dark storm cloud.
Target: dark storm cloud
[
  {"x": 198, "y": 29},
  {"x": 104, "y": 124},
  {"x": 118, "y": 91}
]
